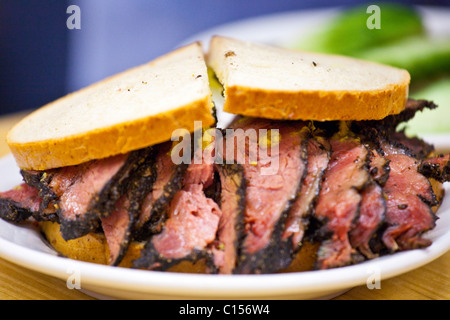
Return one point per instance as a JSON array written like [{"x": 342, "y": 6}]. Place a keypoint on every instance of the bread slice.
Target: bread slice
[
  {"x": 134, "y": 109},
  {"x": 271, "y": 82}
]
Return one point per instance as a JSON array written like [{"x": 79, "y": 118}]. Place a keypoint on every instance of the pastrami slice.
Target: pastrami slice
[
  {"x": 40, "y": 180},
  {"x": 117, "y": 230},
  {"x": 95, "y": 191},
  {"x": 373, "y": 205},
  {"x": 269, "y": 196},
  {"x": 231, "y": 226},
  {"x": 168, "y": 180},
  {"x": 190, "y": 223},
  {"x": 188, "y": 232},
  {"x": 378, "y": 166},
  {"x": 19, "y": 203},
  {"x": 437, "y": 168},
  {"x": 119, "y": 226},
  {"x": 318, "y": 150},
  {"x": 409, "y": 198},
  {"x": 339, "y": 200},
  {"x": 371, "y": 217}
]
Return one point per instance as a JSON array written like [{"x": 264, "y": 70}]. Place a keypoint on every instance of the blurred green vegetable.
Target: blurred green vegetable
[
  {"x": 421, "y": 56},
  {"x": 432, "y": 121},
  {"x": 348, "y": 33},
  {"x": 401, "y": 41}
]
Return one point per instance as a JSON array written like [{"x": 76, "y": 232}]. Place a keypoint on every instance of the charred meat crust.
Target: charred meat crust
[
  {"x": 191, "y": 227},
  {"x": 20, "y": 203},
  {"x": 40, "y": 180},
  {"x": 412, "y": 107},
  {"x": 417, "y": 147},
  {"x": 370, "y": 221},
  {"x": 159, "y": 209},
  {"x": 75, "y": 228},
  {"x": 231, "y": 234},
  {"x": 151, "y": 259},
  {"x": 386, "y": 129},
  {"x": 379, "y": 167},
  {"x": 299, "y": 219},
  {"x": 437, "y": 168},
  {"x": 262, "y": 249},
  {"x": 410, "y": 198},
  {"x": 153, "y": 221},
  {"x": 139, "y": 185},
  {"x": 102, "y": 203},
  {"x": 278, "y": 253},
  {"x": 347, "y": 175},
  {"x": 373, "y": 207},
  {"x": 396, "y": 233},
  {"x": 388, "y": 125},
  {"x": 13, "y": 211}
]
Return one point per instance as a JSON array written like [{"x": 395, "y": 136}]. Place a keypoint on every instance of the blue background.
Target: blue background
[{"x": 41, "y": 60}]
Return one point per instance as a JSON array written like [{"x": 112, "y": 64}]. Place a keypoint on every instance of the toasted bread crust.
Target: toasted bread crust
[
  {"x": 89, "y": 248},
  {"x": 105, "y": 142},
  {"x": 317, "y": 105}
]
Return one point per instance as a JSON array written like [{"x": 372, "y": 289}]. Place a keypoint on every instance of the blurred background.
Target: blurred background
[{"x": 41, "y": 59}]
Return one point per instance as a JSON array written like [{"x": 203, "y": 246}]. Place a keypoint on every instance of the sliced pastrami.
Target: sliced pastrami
[
  {"x": 76, "y": 218},
  {"x": 437, "y": 168},
  {"x": 378, "y": 166},
  {"x": 116, "y": 228},
  {"x": 188, "y": 232},
  {"x": 94, "y": 191},
  {"x": 201, "y": 168},
  {"x": 40, "y": 180},
  {"x": 412, "y": 107},
  {"x": 318, "y": 150},
  {"x": 119, "y": 226},
  {"x": 371, "y": 217},
  {"x": 188, "y": 206},
  {"x": 339, "y": 200},
  {"x": 20, "y": 203},
  {"x": 416, "y": 146},
  {"x": 168, "y": 181},
  {"x": 231, "y": 227},
  {"x": 274, "y": 163},
  {"x": 388, "y": 126},
  {"x": 373, "y": 205},
  {"x": 409, "y": 198}
]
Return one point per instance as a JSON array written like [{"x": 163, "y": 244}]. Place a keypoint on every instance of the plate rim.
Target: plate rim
[{"x": 298, "y": 282}]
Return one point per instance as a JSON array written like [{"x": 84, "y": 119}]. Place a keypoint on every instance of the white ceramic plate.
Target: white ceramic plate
[{"x": 24, "y": 246}]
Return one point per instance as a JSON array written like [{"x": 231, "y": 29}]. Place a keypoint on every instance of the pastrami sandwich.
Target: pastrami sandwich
[{"x": 312, "y": 173}]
